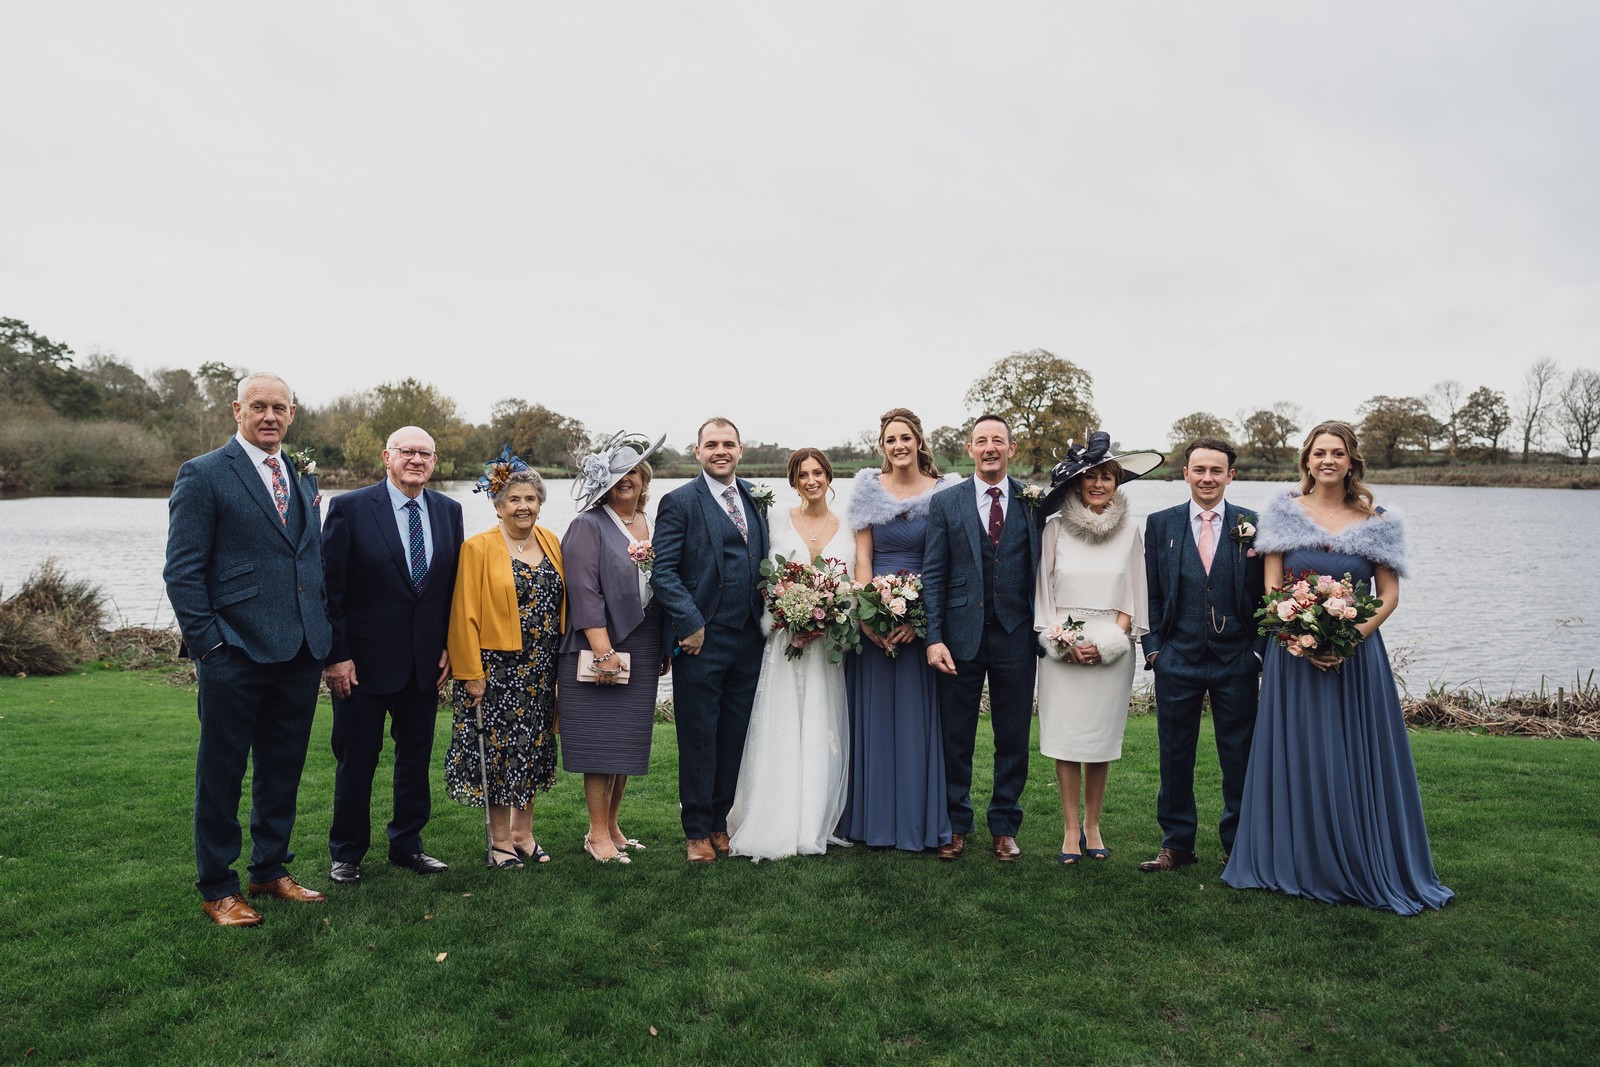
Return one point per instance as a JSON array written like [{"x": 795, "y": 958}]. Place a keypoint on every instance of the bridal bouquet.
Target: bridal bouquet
[
  {"x": 1317, "y": 613},
  {"x": 1059, "y": 641},
  {"x": 811, "y": 600},
  {"x": 889, "y": 600}
]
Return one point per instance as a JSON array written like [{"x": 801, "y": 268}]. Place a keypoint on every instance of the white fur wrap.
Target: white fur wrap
[
  {"x": 1102, "y": 632},
  {"x": 1285, "y": 525}
]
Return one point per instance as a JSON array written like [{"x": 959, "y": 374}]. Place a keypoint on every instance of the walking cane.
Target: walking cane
[{"x": 483, "y": 775}]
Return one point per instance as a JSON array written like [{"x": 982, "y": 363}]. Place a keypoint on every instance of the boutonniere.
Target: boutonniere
[
  {"x": 643, "y": 554},
  {"x": 761, "y": 496},
  {"x": 304, "y": 465},
  {"x": 1031, "y": 495},
  {"x": 1244, "y": 531}
]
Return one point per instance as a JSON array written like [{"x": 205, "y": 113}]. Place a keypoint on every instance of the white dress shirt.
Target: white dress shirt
[
  {"x": 984, "y": 500},
  {"x": 717, "y": 489},
  {"x": 259, "y": 458},
  {"x": 402, "y": 519}
]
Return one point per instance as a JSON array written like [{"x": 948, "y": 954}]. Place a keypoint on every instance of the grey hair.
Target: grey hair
[
  {"x": 262, "y": 376},
  {"x": 390, "y": 442},
  {"x": 522, "y": 477}
]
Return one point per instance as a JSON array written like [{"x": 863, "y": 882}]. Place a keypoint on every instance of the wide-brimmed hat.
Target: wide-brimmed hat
[
  {"x": 1080, "y": 458},
  {"x": 600, "y": 470}
]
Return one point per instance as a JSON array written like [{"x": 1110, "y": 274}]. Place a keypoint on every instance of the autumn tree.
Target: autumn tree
[
  {"x": 1534, "y": 402},
  {"x": 537, "y": 434},
  {"x": 125, "y": 395},
  {"x": 1048, "y": 401},
  {"x": 37, "y": 370},
  {"x": 1485, "y": 415},
  {"x": 1268, "y": 432},
  {"x": 1579, "y": 412},
  {"x": 410, "y": 402},
  {"x": 949, "y": 443},
  {"x": 1196, "y": 425},
  {"x": 1392, "y": 423}
]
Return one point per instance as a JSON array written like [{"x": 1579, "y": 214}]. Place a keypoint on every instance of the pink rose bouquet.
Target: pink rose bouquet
[
  {"x": 890, "y": 600},
  {"x": 1059, "y": 641},
  {"x": 1315, "y": 613}
]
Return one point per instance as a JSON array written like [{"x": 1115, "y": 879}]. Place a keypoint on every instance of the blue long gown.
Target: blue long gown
[
  {"x": 896, "y": 783},
  {"x": 1331, "y": 808}
]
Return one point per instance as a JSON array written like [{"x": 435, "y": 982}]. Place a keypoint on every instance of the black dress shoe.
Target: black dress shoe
[
  {"x": 345, "y": 873},
  {"x": 419, "y": 863}
]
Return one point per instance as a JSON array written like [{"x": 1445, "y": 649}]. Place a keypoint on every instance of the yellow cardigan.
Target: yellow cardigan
[{"x": 483, "y": 612}]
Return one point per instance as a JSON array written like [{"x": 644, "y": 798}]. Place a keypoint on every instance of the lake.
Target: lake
[{"x": 1496, "y": 600}]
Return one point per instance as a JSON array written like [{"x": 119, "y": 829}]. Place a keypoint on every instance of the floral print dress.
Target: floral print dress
[{"x": 519, "y": 704}]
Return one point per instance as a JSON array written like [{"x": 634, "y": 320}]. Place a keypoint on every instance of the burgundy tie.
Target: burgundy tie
[{"x": 997, "y": 518}]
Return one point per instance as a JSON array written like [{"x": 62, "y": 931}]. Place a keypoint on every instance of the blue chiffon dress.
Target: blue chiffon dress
[
  {"x": 1331, "y": 808},
  {"x": 896, "y": 794}
]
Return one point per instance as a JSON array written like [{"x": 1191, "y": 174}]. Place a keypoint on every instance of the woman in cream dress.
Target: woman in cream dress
[{"x": 1091, "y": 571}]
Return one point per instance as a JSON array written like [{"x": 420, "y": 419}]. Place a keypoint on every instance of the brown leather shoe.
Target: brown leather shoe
[
  {"x": 1169, "y": 859},
  {"x": 286, "y": 888},
  {"x": 955, "y": 849},
  {"x": 231, "y": 910},
  {"x": 1005, "y": 849},
  {"x": 719, "y": 841},
  {"x": 700, "y": 850}
]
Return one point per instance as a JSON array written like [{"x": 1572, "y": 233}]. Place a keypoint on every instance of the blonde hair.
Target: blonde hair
[
  {"x": 925, "y": 462},
  {"x": 1356, "y": 493}
]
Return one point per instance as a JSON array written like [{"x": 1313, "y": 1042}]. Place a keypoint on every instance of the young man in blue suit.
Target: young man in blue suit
[
  {"x": 244, "y": 575},
  {"x": 711, "y": 536},
  {"x": 390, "y": 552},
  {"x": 1205, "y": 585},
  {"x": 979, "y": 561}
]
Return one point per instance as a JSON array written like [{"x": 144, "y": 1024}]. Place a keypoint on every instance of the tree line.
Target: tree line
[{"x": 102, "y": 424}]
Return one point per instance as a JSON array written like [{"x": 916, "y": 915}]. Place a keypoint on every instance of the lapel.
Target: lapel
[
  {"x": 1230, "y": 519},
  {"x": 976, "y": 534},
  {"x": 389, "y": 530},
  {"x": 1178, "y": 532},
  {"x": 440, "y": 524},
  {"x": 755, "y": 519},
  {"x": 255, "y": 488},
  {"x": 712, "y": 513}
]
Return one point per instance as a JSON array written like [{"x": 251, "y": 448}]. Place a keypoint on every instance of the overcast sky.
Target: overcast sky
[{"x": 799, "y": 215}]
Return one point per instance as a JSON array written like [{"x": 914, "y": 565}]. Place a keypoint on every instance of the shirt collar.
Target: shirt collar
[
  {"x": 983, "y": 488},
  {"x": 397, "y": 499},
  {"x": 258, "y": 456},
  {"x": 1195, "y": 510},
  {"x": 717, "y": 488}
]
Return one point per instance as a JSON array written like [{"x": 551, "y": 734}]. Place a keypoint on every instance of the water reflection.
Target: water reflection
[{"x": 1490, "y": 602}]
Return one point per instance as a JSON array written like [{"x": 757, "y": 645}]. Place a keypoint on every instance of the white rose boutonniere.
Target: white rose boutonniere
[
  {"x": 1031, "y": 496},
  {"x": 761, "y": 496},
  {"x": 1244, "y": 533},
  {"x": 304, "y": 465}
]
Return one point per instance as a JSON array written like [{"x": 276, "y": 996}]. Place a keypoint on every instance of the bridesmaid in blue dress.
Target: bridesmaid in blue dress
[
  {"x": 896, "y": 794},
  {"x": 1331, "y": 808}
]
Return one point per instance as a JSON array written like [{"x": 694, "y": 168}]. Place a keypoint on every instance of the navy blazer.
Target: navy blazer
[
  {"x": 687, "y": 576},
  {"x": 953, "y": 557},
  {"x": 394, "y": 633},
  {"x": 234, "y": 574},
  {"x": 602, "y": 581},
  {"x": 1167, "y": 533}
]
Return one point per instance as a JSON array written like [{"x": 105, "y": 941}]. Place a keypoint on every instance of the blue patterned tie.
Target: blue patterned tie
[{"x": 419, "y": 550}]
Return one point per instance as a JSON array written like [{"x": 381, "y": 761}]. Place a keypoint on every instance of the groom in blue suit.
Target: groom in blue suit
[
  {"x": 390, "y": 550},
  {"x": 710, "y": 539},
  {"x": 1205, "y": 584},
  {"x": 980, "y": 557},
  {"x": 244, "y": 575}
]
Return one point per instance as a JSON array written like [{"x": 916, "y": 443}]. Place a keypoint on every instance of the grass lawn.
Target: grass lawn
[{"x": 852, "y": 957}]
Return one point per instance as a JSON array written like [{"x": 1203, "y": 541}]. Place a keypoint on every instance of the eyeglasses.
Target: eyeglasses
[{"x": 416, "y": 453}]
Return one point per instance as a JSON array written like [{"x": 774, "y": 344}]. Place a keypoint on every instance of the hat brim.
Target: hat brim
[
  {"x": 1134, "y": 465},
  {"x": 593, "y": 495}
]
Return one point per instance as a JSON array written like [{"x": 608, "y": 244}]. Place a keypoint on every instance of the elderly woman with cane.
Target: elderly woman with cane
[
  {"x": 611, "y": 655},
  {"x": 505, "y": 629}
]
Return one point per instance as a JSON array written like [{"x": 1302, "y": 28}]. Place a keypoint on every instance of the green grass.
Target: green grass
[{"x": 852, "y": 957}]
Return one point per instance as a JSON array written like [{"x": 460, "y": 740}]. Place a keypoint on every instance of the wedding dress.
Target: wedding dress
[{"x": 792, "y": 781}]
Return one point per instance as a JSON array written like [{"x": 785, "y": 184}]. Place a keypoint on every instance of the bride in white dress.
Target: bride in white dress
[{"x": 792, "y": 782}]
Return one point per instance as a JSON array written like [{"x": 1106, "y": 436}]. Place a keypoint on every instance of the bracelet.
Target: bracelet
[
  {"x": 608, "y": 674},
  {"x": 607, "y": 655}
]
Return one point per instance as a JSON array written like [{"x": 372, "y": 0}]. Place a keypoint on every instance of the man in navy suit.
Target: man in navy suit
[
  {"x": 977, "y": 584},
  {"x": 390, "y": 552},
  {"x": 244, "y": 575},
  {"x": 1205, "y": 586},
  {"x": 711, "y": 536}
]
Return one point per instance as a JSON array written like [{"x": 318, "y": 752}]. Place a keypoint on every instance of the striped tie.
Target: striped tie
[
  {"x": 419, "y": 549},
  {"x": 280, "y": 489}
]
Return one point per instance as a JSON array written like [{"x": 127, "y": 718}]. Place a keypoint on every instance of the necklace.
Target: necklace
[
  {"x": 521, "y": 546},
  {"x": 812, "y": 538}
]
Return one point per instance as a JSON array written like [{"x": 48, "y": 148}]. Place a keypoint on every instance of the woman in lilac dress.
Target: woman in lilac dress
[
  {"x": 1331, "y": 808},
  {"x": 896, "y": 790}
]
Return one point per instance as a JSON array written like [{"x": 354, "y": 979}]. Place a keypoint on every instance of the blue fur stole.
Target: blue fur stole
[
  {"x": 871, "y": 504},
  {"x": 1285, "y": 525}
]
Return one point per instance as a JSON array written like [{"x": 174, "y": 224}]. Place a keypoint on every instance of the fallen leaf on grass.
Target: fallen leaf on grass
[
  {"x": 425, "y": 918},
  {"x": 465, "y": 895},
  {"x": 327, "y": 921},
  {"x": 440, "y": 957},
  {"x": 652, "y": 1031}
]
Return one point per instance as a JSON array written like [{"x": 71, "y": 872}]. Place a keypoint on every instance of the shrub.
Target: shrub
[{"x": 51, "y": 622}]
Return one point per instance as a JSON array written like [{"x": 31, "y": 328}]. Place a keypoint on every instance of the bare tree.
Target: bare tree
[
  {"x": 1532, "y": 408},
  {"x": 1445, "y": 402},
  {"x": 1579, "y": 411}
]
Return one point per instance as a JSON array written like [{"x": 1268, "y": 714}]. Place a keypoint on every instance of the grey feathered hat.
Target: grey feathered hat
[{"x": 600, "y": 470}]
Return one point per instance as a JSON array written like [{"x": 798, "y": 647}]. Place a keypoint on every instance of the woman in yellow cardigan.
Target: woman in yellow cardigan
[{"x": 505, "y": 629}]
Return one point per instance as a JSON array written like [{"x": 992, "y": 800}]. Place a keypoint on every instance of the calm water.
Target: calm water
[{"x": 1498, "y": 596}]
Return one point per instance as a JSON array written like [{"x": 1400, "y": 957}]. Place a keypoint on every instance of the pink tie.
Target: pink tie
[{"x": 1208, "y": 540}]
